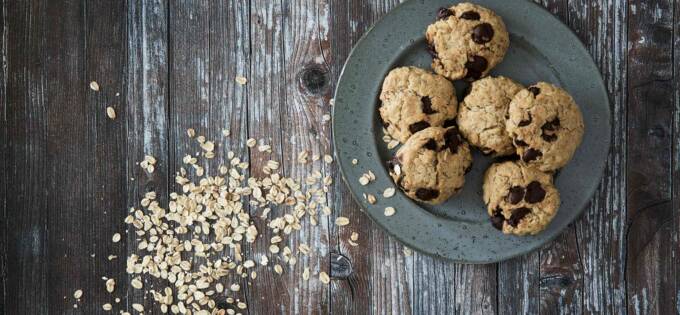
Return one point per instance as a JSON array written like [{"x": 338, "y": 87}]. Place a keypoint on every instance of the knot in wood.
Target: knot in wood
[
  {"x": 556, "y": 281},
  {"x": 314, "y": 78},
  {"x": 341, "y": 267},
  {"x": 657, "y": 131}
]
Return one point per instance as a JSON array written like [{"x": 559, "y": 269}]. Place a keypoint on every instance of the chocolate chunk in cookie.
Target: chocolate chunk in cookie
[
  {"x": 535, "y": 193},
  {"x": 516, "y": 194},
  {"x": 482, "y": 33},
  {"x": 427, "y": 194},
  {"x": 470, "y": 15},
  {"x": 517, "y": 215}
]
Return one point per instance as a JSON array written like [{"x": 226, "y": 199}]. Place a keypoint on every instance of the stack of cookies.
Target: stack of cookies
[{"x": 535, "y": 130}]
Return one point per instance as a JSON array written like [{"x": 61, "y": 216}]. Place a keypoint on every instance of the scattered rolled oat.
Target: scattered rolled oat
[
  {"x": 371, "y": 199},
  {"x": 305, "y": 274},
  {"x": 323, "y": 276},
  {"x": 241, "y": 80},
  {"x": 137, "y": 283},
  {"x": 278, "y": 269},
  {"x": 191, "y": 132},
  {"x": 355, "y": 161},
  {"x": 138, "y": 307},
  {"x": 226, "y": 132},
  {"x": 341, "y": 221},
  {"x": 392, "y": 144},
  {"x": 251, "y": 142},
  {"x": 354, "y": 236},
  {"x": 389, "y": 192},
  {"x": 111, "y": 112},
  {"x": 407, "y": 251},
  {"x": 364, "y": 180},
  {"x": 328, "y": 159},
  {"x": 389, "y": 211},
  {"x": 94, "y": 86},
  {"x": 326, "y": 117},
  {"x": 116, "y": 238},
  {"x": 107, "y": 307},
  {"x": 110, "y": 285},
  {"x": 78, "y": 294}
]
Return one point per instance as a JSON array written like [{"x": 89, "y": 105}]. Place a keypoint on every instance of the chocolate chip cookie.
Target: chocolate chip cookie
[
  {"x": 431, "y": 165},
  {"x": 466, "y": 41},
  {"x": 414, "y": 99},
  {"x": 481, "y": 115},
  {"x": 546, "y": 126},
  {"x": 520, "y": 200}
]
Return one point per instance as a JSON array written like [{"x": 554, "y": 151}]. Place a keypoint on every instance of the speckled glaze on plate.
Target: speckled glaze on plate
[{"x": 541, "y": 49}]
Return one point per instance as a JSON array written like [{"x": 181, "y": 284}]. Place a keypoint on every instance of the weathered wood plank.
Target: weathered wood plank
[
  {"x": 85, "y": 149},
  {"x": 266, "y": 100},
  {"x": 650, "y": 280},
  {"x": 4, "y": 154},
  {"x": 518, "y": 285},
  {"x": 382, "y": 282},
  {"x": 675, "y": 169},
  {"x": 601, "y": 231},
  {"x": 147, "y": 120},
  {"x": 26, "y": 118},
  {"x": 105, "y": 62},
  {"x": 25, "y": 153},
  {"x": 229, "y": 53},
  {"x": 306, "y": 88}
]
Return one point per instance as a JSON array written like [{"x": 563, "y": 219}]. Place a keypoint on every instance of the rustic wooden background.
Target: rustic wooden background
[{"x": 65, "y": 167}]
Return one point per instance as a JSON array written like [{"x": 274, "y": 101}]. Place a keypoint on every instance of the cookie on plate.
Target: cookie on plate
[
  {"x": 520, "y": 200},
  {"x": 546, "y": 126},
  {"x": 414, "y": 99},
  {"x": 482, "y": 114},
  {"x": 431, "y": 166},
  {"x": 466, "y": 41}
]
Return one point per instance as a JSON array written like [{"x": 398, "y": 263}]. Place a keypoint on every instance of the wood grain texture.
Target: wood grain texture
[
  {"x": 675, "y": 158},
  {"x": 90, "y": 46},
  {"x": 26, "y": 154},
  {"x": 302, "y": 128},
  {"x": 266, "y": 101},
  {"x": 601, "y": 232},
  {"x": 650, "y": 274},
  {"x": 229, "y": 53},
  {"x": 4, "y": 155},
  {"x": 147, "y": 123}
]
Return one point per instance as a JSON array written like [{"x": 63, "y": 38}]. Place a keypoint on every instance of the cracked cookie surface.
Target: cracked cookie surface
[
  {"x": 546, "y": 126},
  {"x": 414, "y": 99},
  {"x": 466, "y": 41},
  {"x": 520, "y": 200},
  {"x": 482, "y": 114},
  {"x": 431, "y": 166}
]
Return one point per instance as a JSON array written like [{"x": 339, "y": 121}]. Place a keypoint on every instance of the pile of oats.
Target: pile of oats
[{"x": 195, "y": 241}]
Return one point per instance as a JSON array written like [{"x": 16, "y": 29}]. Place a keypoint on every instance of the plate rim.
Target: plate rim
[{"x": 599, "y": 82}]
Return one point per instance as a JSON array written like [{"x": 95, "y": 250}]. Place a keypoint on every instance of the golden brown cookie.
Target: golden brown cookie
[
  {"x": 431, "y": 165},
  {"x": 520, "y": 200},
  {"x": 414, "y": 99},
  {"x": 466, "y": 41},
  {"x": 546, "y": 126},
  {"x": 482, "y": 114}
]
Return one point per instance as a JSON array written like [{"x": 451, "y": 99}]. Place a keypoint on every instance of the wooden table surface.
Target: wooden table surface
[{"x": 165, "y": 66}]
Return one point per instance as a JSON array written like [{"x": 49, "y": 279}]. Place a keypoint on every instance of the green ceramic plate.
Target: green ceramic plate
[{"x": 541, "y": 48}]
